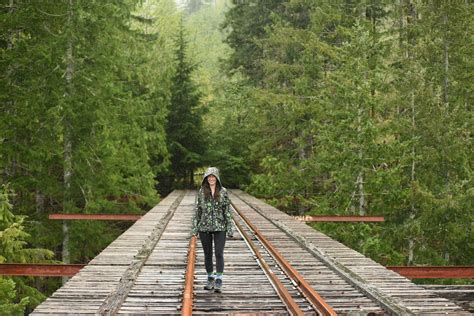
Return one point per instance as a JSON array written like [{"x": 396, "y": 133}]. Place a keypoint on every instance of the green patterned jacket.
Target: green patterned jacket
[{"x": 212, "y": 215}]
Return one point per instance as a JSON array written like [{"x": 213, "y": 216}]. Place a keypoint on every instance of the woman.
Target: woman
[{"x": 213, "y": 221}]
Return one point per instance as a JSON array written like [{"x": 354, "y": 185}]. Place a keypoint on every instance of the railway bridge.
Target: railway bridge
[{"x": 274, "y": 265}]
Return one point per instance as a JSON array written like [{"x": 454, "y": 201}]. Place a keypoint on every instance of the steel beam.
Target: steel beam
[
  {"x": 100, "y": 217},
  {"x": 339, "y": 218},
  {"x": 39, "y": 269},
  {"x": 435, "y": 272}
]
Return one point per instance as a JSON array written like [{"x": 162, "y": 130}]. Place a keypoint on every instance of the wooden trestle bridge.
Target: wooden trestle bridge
[{"x": 275, "y": 265}]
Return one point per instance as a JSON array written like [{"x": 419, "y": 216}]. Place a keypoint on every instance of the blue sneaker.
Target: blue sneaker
[
  {"x": 210, "y": 283},
  {"x": 218, "y": 286}
]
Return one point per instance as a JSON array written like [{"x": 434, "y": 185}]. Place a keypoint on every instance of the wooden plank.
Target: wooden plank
[
  {"x": 86, "y": 291},
  {"x": 463, "y": 295},
  {"x": 115, "y": 300}
]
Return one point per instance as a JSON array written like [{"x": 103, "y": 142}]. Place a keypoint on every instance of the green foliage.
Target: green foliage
[
  {"x": 227, "y": 123},
  {"x": 206, "y": 48},
  {"x": 7, "y": 298},
  {"x": 13, "y": 238},
  {"x": 185, "y": 136},
  {"x": 324, "y": 107},
  {"x": 246, "y": 24},
  {"x": 225, "y": 105},
  {"x": 352, "y": 112},
  {"x": 16, "y": 296},
  {"x": 90, "y": 75}
]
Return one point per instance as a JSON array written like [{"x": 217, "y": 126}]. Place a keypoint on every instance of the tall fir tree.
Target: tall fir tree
[{"x": 185, "y": 135}]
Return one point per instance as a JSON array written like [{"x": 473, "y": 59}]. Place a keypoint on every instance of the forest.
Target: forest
[{"x": 348, "y": 107}]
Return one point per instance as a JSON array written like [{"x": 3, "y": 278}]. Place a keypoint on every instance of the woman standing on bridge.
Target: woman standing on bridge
[{"x": 212, "y": 221}]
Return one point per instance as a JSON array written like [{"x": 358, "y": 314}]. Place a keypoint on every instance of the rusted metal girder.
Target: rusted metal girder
[
  {"x": 290, "y": 303},
  {"x": 339, "y": 218},
  {"x": 187, "y": 308},
  {"x": 101, "y": 217},
  {"x": 39, "y": 269},
  {"x": 311, "y": 294},
  {"x": 434, "y": 272},
  {"x": 423, "y": 272}
]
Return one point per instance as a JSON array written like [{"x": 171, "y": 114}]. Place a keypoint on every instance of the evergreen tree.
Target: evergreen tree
[
  {"x": 207, "y": 49},
  {"x": 77, "y": 99},
  {"x": 246, "y": 24},
  {"x": 155, "y": 22},
  {"x": 352, "y": 113},
  {"x": 185, "y": 136},
  {"x": 15, "y": 295},
  {"x": 222, "y": 98}
]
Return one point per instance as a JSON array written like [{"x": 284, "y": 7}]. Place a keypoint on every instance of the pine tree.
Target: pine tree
[
  {"x": 246, "y": 24},
  {"x": 185, "y": 136},
  {"x": 14, "y": 249}
]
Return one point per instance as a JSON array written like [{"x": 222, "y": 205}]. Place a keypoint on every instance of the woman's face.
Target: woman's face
[{"x": 211, "y": 179}]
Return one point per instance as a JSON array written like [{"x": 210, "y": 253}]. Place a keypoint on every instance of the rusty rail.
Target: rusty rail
[
  {"x": 290, "y": 303},
  {"x": 315, "y": 299},
  {"x": 188, "y": 294}
]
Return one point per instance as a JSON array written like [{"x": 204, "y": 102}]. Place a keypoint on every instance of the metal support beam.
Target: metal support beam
[
  {"x": 39, "y": 269},
  {"x": 424, "y": 272},
  {"x": 339, "y": 218},
  {"x": 100, "y": 217},
  {"x": 432, "y": 272}
]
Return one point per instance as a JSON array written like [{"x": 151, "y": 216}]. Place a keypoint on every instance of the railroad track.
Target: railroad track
[
  {"x": 364, "y": 280},
  {"x": 254, "y": 281},
  {"x": 274, "y": 265}
]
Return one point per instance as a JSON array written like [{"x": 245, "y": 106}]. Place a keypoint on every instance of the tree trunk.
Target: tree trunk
[
  {"x": 446, "y": 58},
  {"x": 401, "y": 37},
  {"x": 360, "y": 176},
  {"x": 190, "y": 179},
  {"x": 360, "y": 186},
  {"x": 412, "y": 16},
  {"x": 446, "y": 98},
  {"x": 9, "y": 171},
  {"x": 411, "y": 241},
  {"x": 68, "y": 139},
  {"x": 39, "y": 198}
]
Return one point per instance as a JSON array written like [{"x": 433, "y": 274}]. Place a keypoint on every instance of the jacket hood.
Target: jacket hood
[{"x": 215, "y": 172}]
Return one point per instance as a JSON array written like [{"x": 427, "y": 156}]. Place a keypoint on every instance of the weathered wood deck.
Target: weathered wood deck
[{"x": 143, "y": 271}]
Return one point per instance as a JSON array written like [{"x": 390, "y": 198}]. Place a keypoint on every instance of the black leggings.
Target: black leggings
[{"x": 219, "y": 243}]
